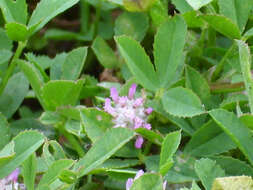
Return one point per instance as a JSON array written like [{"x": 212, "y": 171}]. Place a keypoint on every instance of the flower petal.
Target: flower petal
[
  {"x": 139, "y": 142},
  {"x": 132, "y": 91},
  {"x": 114, "y": 94},
  {"x": 129, "y": 183}
]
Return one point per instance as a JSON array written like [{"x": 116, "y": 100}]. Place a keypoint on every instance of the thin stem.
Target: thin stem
[
  {"x": 21, "y": 46},
  {"x": 98, "y": 14},
  {"x": 227, "y": 87},
  {"x": 72, "y": 140},
  {"x": 85, "y": 16},
  {"x": 221, "y": 64}
]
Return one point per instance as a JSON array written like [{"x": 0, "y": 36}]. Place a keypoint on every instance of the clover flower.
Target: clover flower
[
  {"x": 130, "y": 181},
  {"x": 128, "y": 112},
  {"x": 11, "y": 181}
]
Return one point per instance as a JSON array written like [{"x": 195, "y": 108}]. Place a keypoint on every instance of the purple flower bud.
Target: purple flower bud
[
  {"x": 107, "y": 107},
  {"x": 131, "y": 91},
  {"x": 129, "y": 183},
  {"x": 147, "y": 126},
  {"x": 139, "y": 142},
  {"x": 138, "y": 102},
  {"x": 137, "y": 122},
  {"x": 123, "y": 100},
  {"x": 164, "y": 185},
  {"x": 14, "y": 175},
  {"x": 139, "y": 174},
  {"x": 114, "y": 94},
  {"x": 149, "y": 110}
]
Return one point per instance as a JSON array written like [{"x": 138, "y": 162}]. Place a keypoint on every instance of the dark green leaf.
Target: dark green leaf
[
  {"x": 73, "y": 64},
  {"x": 223, "y": 25},
  {"x": 237, "y": 131}
]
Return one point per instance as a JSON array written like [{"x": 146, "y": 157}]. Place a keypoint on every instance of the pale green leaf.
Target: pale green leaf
[
  {"x": 182, "y": 102},
  {"x": 168, "y": 48},
  {"x": 103, "y": 149},
  {"x": 138, "y": 62}
]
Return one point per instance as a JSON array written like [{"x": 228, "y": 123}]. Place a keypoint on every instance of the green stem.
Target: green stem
[
  {"x": 221, "y": 64},
  {"x": 85, "y": 16},
  {"x": 227, "y": 88},
  {"x": 72, "y": 140},
  {"x": 21, "y": 46},
  {"x": 98, "y": 14}
]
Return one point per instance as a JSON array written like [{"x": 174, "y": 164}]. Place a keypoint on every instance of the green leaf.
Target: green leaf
[
  {"x": 34, "y": 77},
  {"x": 207, "y": 171},
  {"x": 223, "y": 25},
  {"x": 5, "y": 131},
  {"x": 7, "y": 153},
  {"x": 197, "y": 4},
  {"x": 238, "y": 167},
  {"x": 61, "y": 93},
  {"x": 245, "y": 62},
  {"x": 197, "y": 83},
  {"x": 237, "y": 10},
  {"x": 168, "y": 48},
  {"x": 26, "y": 143},
  {"x": 13, "y": 94},
  {"x": 117, "y": 164},
  {"x": 29, "y": 169},
  {"x": 103, "y": 149},
  {"x": 104, "y": 53},
  {"x": 95, "y": 122},
  {"x": 237, "y": 131},
  {"x": 207, "y": 139},
  {"x": 73, "y": 64},
  {"x": 150, "y": 135},
  {"x": 169, "y": 147},
  {"x": 138, "y": 62},
  {"x": 48, "y": 9},
  {"x": 17, "y": 31},
  {"x": 132, "y": 24},
  {"x": 182, "y": 6},
  {"x": 148, "y": 181},
  {"x": 247, "y": 120},
  {"x": 6, "y": 43},
  {"x": 56, "y": 67},
  {"x": 185, "y": 105},
  {"x": 44, "y": 61},
  {"x": 14, "y": 11},
  {"x": 54, "y": 171}
]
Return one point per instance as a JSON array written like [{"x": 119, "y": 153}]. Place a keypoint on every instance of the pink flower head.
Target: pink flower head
[
  {"x": 138, "y": 102},
  {"x": 137, "y": 122},
  {"x": 139, "y": 142},
  {"x": 129, "y": 183},
  {"x": 128, "y": 112},
  {"x": 131, "y": 91},
  {"x": 147, "y": 126},
  {"x": 14, "y": 175},
  {"x": 114, "y": 94},
  {"x": 149, "y": 110},
  {"x": 108, "y": 107}
]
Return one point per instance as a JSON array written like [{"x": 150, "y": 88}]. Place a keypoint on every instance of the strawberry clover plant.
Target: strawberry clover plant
[{"x": 126, "y": 95}]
